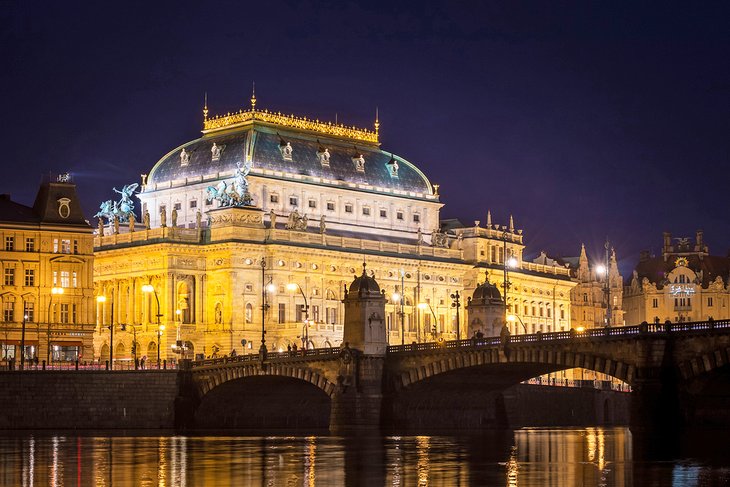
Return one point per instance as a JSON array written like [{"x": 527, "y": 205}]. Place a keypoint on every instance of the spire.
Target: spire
[
  {"x": 511, "y": 225},
  {"x": 253, "y": 96},
  {"x": 377, "y": 121},
  {"x": 489, "y": 219},
  {"x": 205, "y": 107},
  {"x": 583, "y": 256}
]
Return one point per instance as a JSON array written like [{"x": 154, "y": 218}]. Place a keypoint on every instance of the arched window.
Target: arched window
[{"x": 249, "y": 313}]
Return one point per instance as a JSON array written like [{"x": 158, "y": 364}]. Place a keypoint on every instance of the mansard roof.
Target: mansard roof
[
  {"x": 46, "y": 209},
  {"x": 262, "y": 143}
]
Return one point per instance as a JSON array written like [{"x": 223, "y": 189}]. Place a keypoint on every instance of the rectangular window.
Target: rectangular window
[
  {"x": 178, "y": 206},
  {"x": 65, "y": 246},
  {"x": 30, "y": 277},
  {"x": 331, "y": 316},
  {"x": 274, "y": 198},
  {"x": 65, "y": 279},
  {"x": 30, "y": 245},
  {"x": 299, "y": 313},
  {"x": 493, "y": 253},
  {"x": 193, "y": 203},
  {"x": 312, "y": 204},
  {"x": 330, "y": 207},
  {"x": 55, "y": 278},
  {"x": 655, "y": 303},
  {"x": 8, "y": 307},
  {"x": 9, "y": 276},
  {"x": 366, "y": 211},
  {"x": 399, "y": 215},
  {"x": 55, "y": 245},
  {"x": 293, "y": 201},
  {"x": 709, "y": 302},
  {"x": 383, "y": 214},
  {"x": 29, "y": 311},
  {"x": 9, "y": 244},
  {"x": 75, "y": 280},
  {"x": 348, "y": 208},
  {"x": 315, "y": 313},
  {"x": 416, "y": 218},
  {"x": 64, "y": 313},
  {"x": 73, "y": 313},
  {"x": 585, "y": 297},
  {"x": 76, "y": 246},
  {"x": 282, "y": 312}
]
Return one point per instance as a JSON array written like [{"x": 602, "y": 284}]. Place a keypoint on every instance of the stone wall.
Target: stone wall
[
  {"x": 88, "y": 399},
  {"x": 466, "y": 408}
]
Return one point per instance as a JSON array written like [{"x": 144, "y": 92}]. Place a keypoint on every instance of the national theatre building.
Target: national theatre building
[{"x": 260, "y": 224}]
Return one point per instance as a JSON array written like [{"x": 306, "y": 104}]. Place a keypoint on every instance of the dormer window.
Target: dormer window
[
  {"x": 323, "y": 154},
  {"x": 392, "y": 166},
  {"x": 216, "y": 151},
  {"x": 184, "y": 157},
  {"x": 286, "y": 149}
]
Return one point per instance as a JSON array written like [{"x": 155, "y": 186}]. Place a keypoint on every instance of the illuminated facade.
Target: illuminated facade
[
  {"x": 47, "y": 263},
  {"x": 320, "y": 199},
  {"x": 589, "y": 298},
  {"x": 685, "y": 283}
]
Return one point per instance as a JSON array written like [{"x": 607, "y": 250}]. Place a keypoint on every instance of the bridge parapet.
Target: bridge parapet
[{"x": 293, "y": 356}]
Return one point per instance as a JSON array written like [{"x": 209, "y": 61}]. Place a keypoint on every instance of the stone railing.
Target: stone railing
[
  {"x": 362, "y": 244},
  {"x": 594, "y": 333},
  {"x": 176, "y": 234},
  {"x": 311, "y": 354}
]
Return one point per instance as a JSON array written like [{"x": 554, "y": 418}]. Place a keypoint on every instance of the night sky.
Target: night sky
[{"x": 584, "y": 120}]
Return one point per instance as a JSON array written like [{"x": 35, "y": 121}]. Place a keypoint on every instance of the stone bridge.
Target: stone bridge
[{"x": 678, "y": 373}]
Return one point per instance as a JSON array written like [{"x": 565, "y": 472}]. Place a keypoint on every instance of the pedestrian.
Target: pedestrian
[
  {"x": 144, "y": 359},
  {"x": 233, "y": 352},
  {"x": 288, "y": 348}
]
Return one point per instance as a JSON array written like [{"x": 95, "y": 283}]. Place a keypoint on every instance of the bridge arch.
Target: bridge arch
[
  {"x": 248, "y": 396},
  {"x": 522, "y": 363},
  {"x": 208, "y": 380}
]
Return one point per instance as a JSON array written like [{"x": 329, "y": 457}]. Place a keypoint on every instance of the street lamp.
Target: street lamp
[
  {"x": 293, "y": 286},
  {"x": 54, "y": 291},
  {"x": 423, "y": 306},
  {"x": 134, "y": 343},
  {"x": 398, "y": 300},
  {"x": 149, "y": 288},
  {"x": 264, "y": 306},
  {"x": 456, "y": 304},
  {"x": 22, "y": 338},
  {"x": 513, "y": 318},
  {"x": 509, "y": 262},
  {"x": 102, "y": 299}
]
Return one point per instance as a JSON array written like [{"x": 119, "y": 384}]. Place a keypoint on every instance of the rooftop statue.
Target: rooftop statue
[
  {"x": 234, "y": 193},
  {"x": 121, "y": 209}
]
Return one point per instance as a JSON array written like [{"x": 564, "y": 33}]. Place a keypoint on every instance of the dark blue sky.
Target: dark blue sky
[{"x": 584, "y": 120}]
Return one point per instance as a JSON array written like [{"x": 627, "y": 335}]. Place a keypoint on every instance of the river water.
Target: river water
[{"x": 526, "y": 457}]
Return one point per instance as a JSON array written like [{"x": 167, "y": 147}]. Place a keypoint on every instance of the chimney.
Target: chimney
[
  {"x": 699, "y": 245},
  {"x": 667, "y": 243}
]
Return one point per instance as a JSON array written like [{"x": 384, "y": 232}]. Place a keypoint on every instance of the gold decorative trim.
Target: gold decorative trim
[{"x": 228, "y": 120}]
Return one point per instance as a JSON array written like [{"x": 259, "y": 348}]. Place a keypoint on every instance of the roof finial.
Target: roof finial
[
  {"x": 489, "y": 219},
  {"x": 205, "y": 107},
  {"x": 377, "y": 121},
  {"x": 511, "y": 224},
  {"x": 253, "y": 96},
  {"x": 364, "y": 265}
]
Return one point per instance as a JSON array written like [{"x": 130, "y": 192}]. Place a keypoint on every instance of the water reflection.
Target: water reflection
[{"x": 527, "y": 457}]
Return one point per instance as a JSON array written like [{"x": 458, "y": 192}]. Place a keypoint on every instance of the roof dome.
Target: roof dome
[
  {"x": 485, "y": 293},
  {"x": 364, "y": 285},
  {"x": 291, "y": 147}
]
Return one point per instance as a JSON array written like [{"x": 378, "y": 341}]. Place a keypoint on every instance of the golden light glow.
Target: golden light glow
[
  {"x": 147, "y": 288},
  {"x": 57, "y": 290},
  {"x": 422, "y": 305},
  {"x": 580, "y": 329},
  {"x": 292, "y": 286},
  {"x": 242, "y": 117},
  {"x": 511, "y": 318},
  {"x": 101, "y": 299}
]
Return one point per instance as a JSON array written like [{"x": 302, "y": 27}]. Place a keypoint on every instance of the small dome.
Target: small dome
[
  {"x": 486, "y": 293},
  {"x": 364, "y": 285}
]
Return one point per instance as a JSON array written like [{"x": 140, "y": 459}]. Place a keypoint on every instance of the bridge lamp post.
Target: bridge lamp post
[
  {"x": 398, "y": 299},
  {"x": 149, "y": 288},
  {"x": 54, "y": 291},
  {"x": 513, "y": 318},
  {"x": 602, "y": 270},
  {"x": 510, "y": 262},
  {"x": 134, "y": 342},
  {"x": 265, "y": 288},
  {"x": 424, "y": 306},
  {"x": 457, "y": 304},
  {"x": 293, "y": 286}
]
